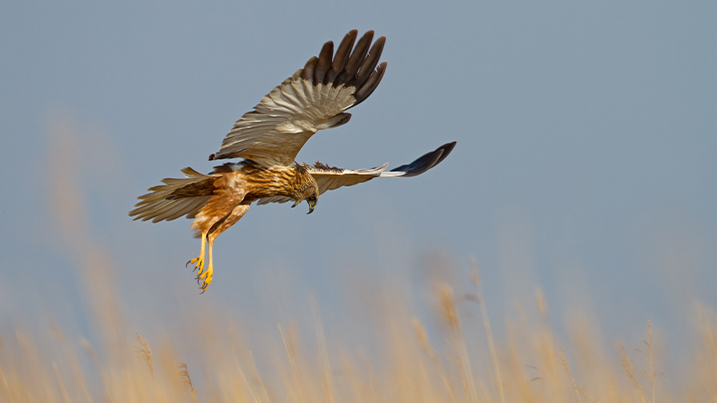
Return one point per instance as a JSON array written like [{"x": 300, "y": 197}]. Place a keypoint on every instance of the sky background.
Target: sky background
[{"x": 585, "y": 162}]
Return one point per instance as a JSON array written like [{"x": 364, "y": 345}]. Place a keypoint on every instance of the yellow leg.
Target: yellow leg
[
  {"x": 198, "y": 262},
  {"x": 206, "y": 276}
]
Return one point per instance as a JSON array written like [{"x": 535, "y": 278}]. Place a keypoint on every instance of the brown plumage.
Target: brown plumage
[{"x": 269, "y": 138}]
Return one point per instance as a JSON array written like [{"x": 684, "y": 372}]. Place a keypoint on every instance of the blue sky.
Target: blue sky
[{"x": 585, "y": 160}]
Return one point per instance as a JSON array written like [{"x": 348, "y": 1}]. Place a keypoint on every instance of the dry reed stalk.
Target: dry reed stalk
[
  {"x": 578, "y": 392},
  {"x": 486, "y": 326},
  {"x": 707, "y": 358},
  {"x": 516, "y": 373},
  {"x": 359, "y": 391},
  {"x": 249, "y": 386},
  {"x": 541, "y": 304},
  {"x": 626, "y": 364},
  {"x": 484, "y": 391},
  {"x": 425, "y": 344},
  {"x": 91, "y": 351},
  {"x": 322, "y": 352},
  {"x": 237, "y": 371},
  {"x": 65, "y": 396},
  {"x": 542, "y": 386},
  {"x": 449, "y": 310},
  {"x": 652, "y": 358},
  {"x": 71, "y": 359},
  {"x": 544, "y": 345},
  {"x": 255, "y": 372},
  {"x": 468, "y": 372},
  {"x": 373, "y": 382},
  {"x": 186, "y": 380},
  {"x": 455, "y": 359},
  {"x": 146, "y": 354},
  {"x": 427, "y": 391},
  {"x": 290, "y": 345}
]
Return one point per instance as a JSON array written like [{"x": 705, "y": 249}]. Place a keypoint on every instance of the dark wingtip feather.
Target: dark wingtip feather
[
  {"x": 426, "y": 161},
  {"x": 324, "y": 63},
  {"x": 308, "y": 73},
  {"x": 447, "y": 148},
  {"x": 358, "y": 55},
  {"x": 371, "y": 60},
  {"x": 344, "y": 51},
  {"x": 370, "y": 85}
]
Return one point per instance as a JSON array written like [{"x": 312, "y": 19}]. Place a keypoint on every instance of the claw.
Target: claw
[
  {"x": 204, "y": 270},
  {"x": 198, "y": 263},
  {"x": 205, "y": 278}
]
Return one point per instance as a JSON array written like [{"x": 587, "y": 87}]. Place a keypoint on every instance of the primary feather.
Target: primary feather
[{"x": 314, "y": 98}]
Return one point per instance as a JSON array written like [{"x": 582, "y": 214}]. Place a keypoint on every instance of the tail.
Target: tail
[{"x": 177, "y": 197}]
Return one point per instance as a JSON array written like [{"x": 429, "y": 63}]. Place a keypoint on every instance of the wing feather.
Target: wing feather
[
  {"x": 330, "y": 178},
  {"x": 314, "y": 98},
  {"x": 174, "y": 211},
  {"x": 423, "y": 163},
  {"x": 275, "y": 199}
]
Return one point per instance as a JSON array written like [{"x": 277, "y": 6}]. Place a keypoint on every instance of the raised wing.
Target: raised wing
[
  {"x": 330, "y": 178},
  {"x": 314, "y": 98}
]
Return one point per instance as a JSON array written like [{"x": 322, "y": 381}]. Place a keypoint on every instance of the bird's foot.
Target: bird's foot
[
  {"x": 198, "y": 263},
  {"x": 204, "y": 278}
]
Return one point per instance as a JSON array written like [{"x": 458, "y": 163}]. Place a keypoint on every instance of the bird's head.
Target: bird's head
[{"x": 308, "y": 192}]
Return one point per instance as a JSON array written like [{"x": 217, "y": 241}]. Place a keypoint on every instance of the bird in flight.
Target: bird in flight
[{"x": 268, "y": 139}]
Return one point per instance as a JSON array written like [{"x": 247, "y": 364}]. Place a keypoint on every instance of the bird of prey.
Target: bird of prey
[{"x": 268, "y": 138}]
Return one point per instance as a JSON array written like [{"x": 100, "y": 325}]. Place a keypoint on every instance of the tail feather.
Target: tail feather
[
  {"x": 167, "y": 202},
  {"x": 173, "y": 209}
]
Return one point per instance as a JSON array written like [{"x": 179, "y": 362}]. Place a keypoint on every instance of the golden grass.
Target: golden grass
[{"x": 529, "y": 366}]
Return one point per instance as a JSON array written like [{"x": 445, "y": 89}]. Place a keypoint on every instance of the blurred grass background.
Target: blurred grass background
[{"x": 445, "y": 351}]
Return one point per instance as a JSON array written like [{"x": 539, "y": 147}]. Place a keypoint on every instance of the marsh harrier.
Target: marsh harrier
[{"x": 268, "y": 139}]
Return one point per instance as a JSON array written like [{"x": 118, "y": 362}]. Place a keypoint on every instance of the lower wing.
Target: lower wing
[{"x": 330, "y": 178}]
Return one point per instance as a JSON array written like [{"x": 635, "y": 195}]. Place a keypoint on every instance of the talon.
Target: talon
[
  {"x": 199, "y": 260},
  {"x": 198, "y": 263},
  {"x": 205, "y": 278},
  {"x": 204, "y": 267},
  {"x": 203, "y": 288}
]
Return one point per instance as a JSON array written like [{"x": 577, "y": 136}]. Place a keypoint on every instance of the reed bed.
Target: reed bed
[
  {"x": 453, "y": 357},
  {"x": 530, "y": 365}
]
